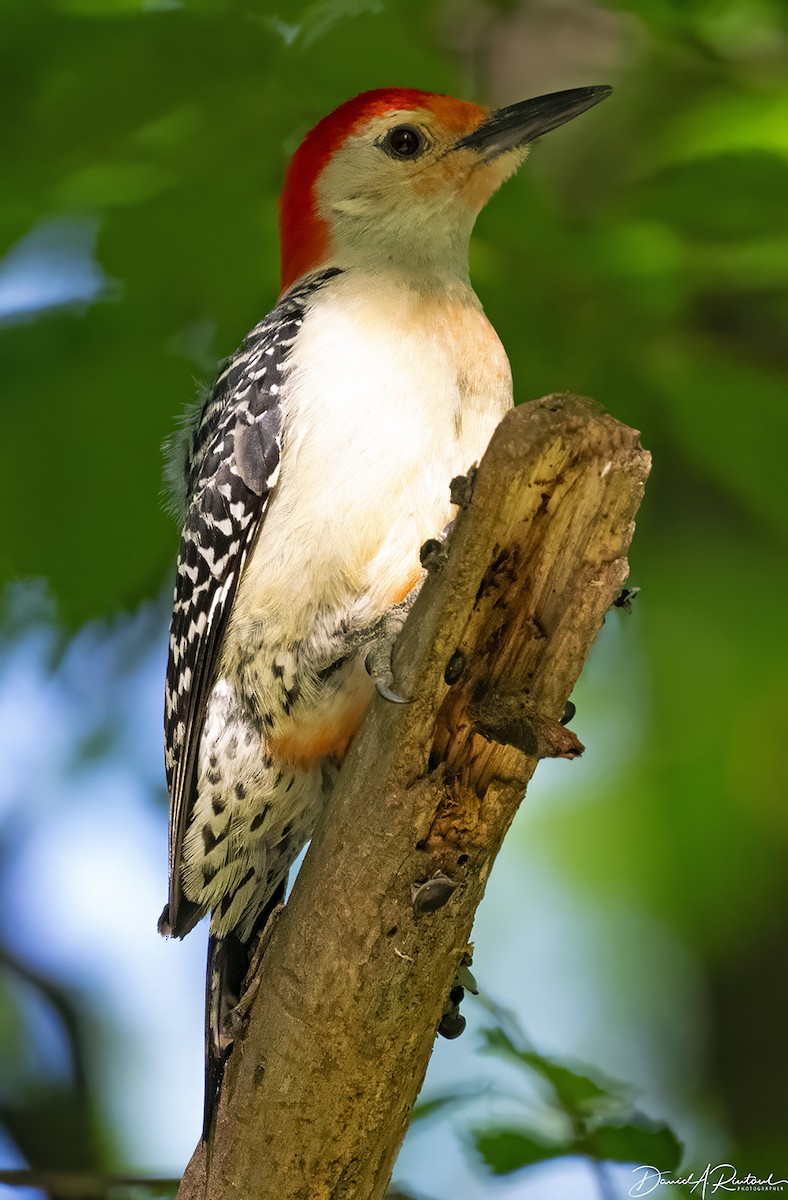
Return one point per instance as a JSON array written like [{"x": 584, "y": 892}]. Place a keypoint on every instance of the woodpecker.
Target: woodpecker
[{"x": 308, "y": 480}]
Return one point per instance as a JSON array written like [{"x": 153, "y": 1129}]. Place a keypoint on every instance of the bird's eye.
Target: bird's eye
[{"x": 404, "y": 141}]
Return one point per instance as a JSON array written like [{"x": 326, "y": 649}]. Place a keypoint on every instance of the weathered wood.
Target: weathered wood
[{"x": 319, "y": 1090}]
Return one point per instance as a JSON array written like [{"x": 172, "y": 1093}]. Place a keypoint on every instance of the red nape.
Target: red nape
[{"x": 303, "y": 232}]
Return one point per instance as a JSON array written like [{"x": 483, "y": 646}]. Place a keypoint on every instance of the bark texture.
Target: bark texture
[{"x": 319, "y": 1090}]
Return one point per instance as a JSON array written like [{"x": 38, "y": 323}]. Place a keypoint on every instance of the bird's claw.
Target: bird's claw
[
  {"x": 381, "y": 648},
  {"x": 384, "y": 689}
]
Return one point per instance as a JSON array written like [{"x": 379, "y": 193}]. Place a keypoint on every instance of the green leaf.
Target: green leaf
[
  {"x": 507, "y": 1150},
  {"x": 639, "y": 1141},
  {"x": 574, "y": 1091},
  {"x": 497, "y": 1041}
]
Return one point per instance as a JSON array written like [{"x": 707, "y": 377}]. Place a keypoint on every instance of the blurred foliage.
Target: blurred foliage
[
  {"x": 65, "y": 1108},
  {"x": 641, "y": 257},
  {"x": 591, "y": 1118},
  {"x": 596, "y": 1120},
  {"x": 73, "y": 1185}
]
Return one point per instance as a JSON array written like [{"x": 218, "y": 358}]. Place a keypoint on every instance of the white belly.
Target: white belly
[{"x": 392, "y": 396}]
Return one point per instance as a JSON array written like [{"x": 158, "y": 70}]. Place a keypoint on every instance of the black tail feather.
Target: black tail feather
[
  {"x": 225, "y": 983},
  {"x": 228, "y": 961}
]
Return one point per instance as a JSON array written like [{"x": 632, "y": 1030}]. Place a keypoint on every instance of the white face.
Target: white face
[{"x": 399, "y": 193}]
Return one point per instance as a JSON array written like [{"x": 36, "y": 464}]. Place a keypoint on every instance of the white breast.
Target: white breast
[{"x": 392, "y": 393}]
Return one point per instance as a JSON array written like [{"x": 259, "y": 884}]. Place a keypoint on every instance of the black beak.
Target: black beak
[{"x": 521, "y": 123}]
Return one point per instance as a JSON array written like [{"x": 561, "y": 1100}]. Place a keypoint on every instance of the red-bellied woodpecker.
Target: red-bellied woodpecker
[{"x": 309, "y": 479}]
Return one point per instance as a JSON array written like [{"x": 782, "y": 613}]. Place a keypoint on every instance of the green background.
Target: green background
[{"x": 641, "y": 257}]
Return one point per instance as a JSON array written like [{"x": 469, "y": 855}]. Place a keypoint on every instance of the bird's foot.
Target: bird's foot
[
  {"x": 435, "y": 551},
  {"x": 380, "y": 648}
]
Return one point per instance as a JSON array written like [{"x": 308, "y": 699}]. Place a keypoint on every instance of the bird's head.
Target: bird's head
[{"x": 398, "y": 176}]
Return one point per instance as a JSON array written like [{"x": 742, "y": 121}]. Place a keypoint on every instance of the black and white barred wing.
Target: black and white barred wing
[{"x": 231, "y": 469}]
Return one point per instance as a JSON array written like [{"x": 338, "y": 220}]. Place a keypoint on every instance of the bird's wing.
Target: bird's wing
[{"x": 232, "y": 466}]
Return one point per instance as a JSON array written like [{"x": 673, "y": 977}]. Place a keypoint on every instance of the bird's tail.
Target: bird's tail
[{"x": 225, "y": 983}]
